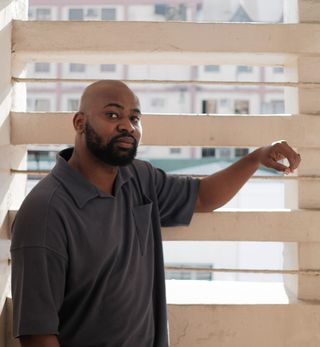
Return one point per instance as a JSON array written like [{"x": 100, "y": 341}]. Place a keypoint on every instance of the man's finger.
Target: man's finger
[
  {"x": 282, "y": 148},
  {"x": 293, "y": 157},
  {"x": 295, "y": 162},
  {"x": 277, "y": 166}
]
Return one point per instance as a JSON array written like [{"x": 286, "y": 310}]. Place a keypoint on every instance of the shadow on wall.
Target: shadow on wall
[
  {"x": 5, "y": 62},
  {"x": 4, "y": 93},
  {"x": 5, "y": 3}
]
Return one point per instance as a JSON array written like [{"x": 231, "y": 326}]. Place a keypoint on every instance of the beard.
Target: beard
[{"x": 110, "y": 153}]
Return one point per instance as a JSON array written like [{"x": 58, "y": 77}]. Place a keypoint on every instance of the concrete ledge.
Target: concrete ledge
[
  {"x": 162, "y": 43},
  {"x": 284, "y": 226},
  {"x": 294, "y": 325},
  {"x": 161, "y": 130},
  {"x": 294, "y": 226}
]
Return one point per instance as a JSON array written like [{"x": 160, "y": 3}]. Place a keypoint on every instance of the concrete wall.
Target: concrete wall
[{"x": 10, "y": 186}]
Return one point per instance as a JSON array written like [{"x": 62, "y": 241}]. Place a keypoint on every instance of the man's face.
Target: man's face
[
  {"x": 113, "y": 126},
  {"x": 111, "y": 152}
]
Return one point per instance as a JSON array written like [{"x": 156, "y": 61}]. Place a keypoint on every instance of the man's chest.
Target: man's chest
[{"x": 112, "y": 235}]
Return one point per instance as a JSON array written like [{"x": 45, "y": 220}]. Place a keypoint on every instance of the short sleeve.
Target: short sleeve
[
  {"x": 38, "y": 282},
  {"x": 39, "y": 265},
  {"x": 177, "y": 196}
]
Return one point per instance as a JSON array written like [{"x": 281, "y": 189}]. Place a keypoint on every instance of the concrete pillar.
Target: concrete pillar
[
  {"x": 309, "y": 190},
  {"x": 306, "y": 101},
  {"x": 11, "y": 188},
  {"x": 290, "y": 11}
]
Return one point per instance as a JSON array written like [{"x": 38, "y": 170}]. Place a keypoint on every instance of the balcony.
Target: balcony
[{"x": 294, "y": 45}]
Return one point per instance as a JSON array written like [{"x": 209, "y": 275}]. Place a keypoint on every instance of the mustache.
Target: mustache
[{"x": 116, "y": 138}]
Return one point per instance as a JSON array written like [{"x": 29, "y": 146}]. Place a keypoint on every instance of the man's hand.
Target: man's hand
[
  {"x": 217, "y": 189},
  {"x": 270, "y": 156}
]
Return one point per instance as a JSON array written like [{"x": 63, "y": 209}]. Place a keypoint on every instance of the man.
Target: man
[{"x": 87, "y": 265}]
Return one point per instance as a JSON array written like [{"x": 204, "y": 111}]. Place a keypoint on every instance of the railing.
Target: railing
[{"x": 294, "y": 46}]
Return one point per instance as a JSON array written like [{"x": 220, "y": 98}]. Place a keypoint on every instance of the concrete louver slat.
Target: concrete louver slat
[
  {"x": 162, "y": 43},
  {"x": 180, "y": 130},
  {"x": 285, "y": 226},
  {"x": 296, "y": 325}
]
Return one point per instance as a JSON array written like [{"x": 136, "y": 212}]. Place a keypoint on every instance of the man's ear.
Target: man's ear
[{"x": 79, "y": 122}]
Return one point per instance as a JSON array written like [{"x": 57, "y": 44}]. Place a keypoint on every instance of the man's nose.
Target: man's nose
[{"x": 125, "y": 125}]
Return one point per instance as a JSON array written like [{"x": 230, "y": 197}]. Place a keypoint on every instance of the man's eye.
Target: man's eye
[
  {"x": 135, "y": 119},
  {"x": 112, "y": 115}
]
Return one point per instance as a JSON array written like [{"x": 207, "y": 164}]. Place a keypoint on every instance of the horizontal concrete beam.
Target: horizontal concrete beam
[
  {"x": 244, "y": 325},
  {"x": 293, "y": 325},
  {"x": 295, "y": 226},
  {"x": 162, "y": 43},
  {"x": 180, "y": 130}
]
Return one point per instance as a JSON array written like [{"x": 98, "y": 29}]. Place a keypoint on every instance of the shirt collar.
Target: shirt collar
[{"x": 78, "y": 186}]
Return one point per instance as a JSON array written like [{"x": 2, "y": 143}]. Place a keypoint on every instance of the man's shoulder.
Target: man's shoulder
[
  {"x": 141, "y": 164},
  {"x": 44, "y": 190},
  {"x": 30, "y": 223},
  {"x": 39, "y": 199}
]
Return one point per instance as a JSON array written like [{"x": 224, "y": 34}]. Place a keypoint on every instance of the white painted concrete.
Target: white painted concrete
[
  {"x": 294, "y": 325},
  {"x": 9, "y": 187},
  {"x": 299, "y": 131},
  {"x": 308, "y": 287},
  {"x": 163, "y": 43},
  {"x": 250, "y": 226}
]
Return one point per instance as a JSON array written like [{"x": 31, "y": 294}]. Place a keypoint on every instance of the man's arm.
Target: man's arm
[
  {"x": 39, "y": 341},
  {"x": 217, "y": 189}
]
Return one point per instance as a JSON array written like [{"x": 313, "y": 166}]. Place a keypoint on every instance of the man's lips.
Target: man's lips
[{"x": 125, "y": 141}]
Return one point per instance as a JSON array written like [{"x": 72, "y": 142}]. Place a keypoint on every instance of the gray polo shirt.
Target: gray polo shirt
[{"x": 88, "y": 266}]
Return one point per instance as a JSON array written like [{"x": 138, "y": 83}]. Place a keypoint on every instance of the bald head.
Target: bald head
[
  {"x": 108, "y": 124},
  {"x": 100, "y": 91}
]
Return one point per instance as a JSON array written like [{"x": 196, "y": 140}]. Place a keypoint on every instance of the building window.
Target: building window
[
  {"x": 77, "y": 67},
  {"x": 208, "y": 152},
  {"x": 73, "y": 104},
  {"x": 209, "y": 106},
  {"x": 43, "y": 13},
  {"x": 174, "y": 12},
  {"x": 41, "y": 160},
  {"x": 92, "y": 13},
  {"x": 224, "y": 102},
  {"x": 160, "y": 9},
  {"x": 278, "y": 70},
  {"x": 241, "y": 107},
  {"x": 273, "y": 107},
  {"x": 211, "y": 68},
  {"x": 76, "y": 14},
  {"x": 108, "y": 14},
  {"x": 241, "y": 152},
  {"x": 157, "y": 102},
  {"x": 224, "y": 153},
  {"x": 277, "y": 106},
  {"x": 29, "y": 105},
  {"x": 190, "y": 275},
  {"x": 42, "y": 67},
  {"x": 31, "y": 13},
  {"x": 107, "y": 67},
  {"x": 244, "y": 69},
  {"x": 175, "y": 150},
  {"x": 42, "y": 105}
]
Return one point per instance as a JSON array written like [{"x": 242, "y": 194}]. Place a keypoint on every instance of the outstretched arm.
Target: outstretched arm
[{"x": 217, "y": 189}]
